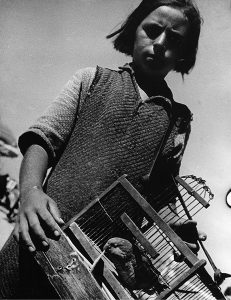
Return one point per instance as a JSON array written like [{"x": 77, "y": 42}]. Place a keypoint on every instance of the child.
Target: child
[{"x": 107, "y": 123}]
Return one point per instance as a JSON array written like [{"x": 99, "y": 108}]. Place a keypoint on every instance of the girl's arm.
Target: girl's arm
[
  {"x": 41, "y": 146},
  {"x": 38, "y": 214}
]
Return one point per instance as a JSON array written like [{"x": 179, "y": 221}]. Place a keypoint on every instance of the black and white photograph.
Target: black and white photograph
[{"x": 115, "y": 142}]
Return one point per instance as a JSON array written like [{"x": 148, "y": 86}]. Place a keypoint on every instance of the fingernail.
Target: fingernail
[
  {"x": 56, "y": 233},
  {"x": 31, "y": 249},
  {"x": 44, "y": 243}
]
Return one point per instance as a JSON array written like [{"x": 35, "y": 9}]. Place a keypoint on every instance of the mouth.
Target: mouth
[{"x": 155, "y": 60}]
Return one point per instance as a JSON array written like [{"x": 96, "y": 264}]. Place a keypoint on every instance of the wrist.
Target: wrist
[
  {"x": 37, "y": 187},
  {"x": 24, "y": 190}
]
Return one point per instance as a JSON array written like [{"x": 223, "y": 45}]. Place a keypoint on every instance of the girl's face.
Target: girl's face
[{"x": 158, "y": 41}]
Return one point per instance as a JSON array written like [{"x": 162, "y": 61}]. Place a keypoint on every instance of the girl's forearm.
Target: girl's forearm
[{"x": 33, "y": 168}]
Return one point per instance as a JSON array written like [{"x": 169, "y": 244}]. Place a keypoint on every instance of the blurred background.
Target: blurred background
[{"x": 42, "y": 43}]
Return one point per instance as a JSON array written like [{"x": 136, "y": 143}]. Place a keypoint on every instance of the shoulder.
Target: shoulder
[
  {"x": 91, "y": 77},
  {"x": 87, "y": 78},
  {"x": 83, "y": 77},
  {"x": 86, "y": 73},
  {"x": 77, "y": 87}
]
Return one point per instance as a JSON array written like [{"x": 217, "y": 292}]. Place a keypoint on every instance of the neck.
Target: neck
[{"x": 151, "y": 85}]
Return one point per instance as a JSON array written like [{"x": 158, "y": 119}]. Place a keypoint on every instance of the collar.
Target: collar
[
  {"x": 165, "y": 92},
  {"x": 128, "y": 67}
]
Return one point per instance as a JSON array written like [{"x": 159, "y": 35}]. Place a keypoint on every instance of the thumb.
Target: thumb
[
  {"x": 54, "y": 211},
  {"x": 202, "y": 235},
  {"x": 194, "y": 247},
  {"x": 192, "y": 223}
]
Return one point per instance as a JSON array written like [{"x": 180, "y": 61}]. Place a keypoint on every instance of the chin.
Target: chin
[
  {"x": 155, "y": 73},
  {"x": 154, "y": 69}
]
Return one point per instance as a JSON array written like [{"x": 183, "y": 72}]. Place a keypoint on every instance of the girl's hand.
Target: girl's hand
[
  {"x": 38, "y": 219},
  {"x": 187, "y": 231}
]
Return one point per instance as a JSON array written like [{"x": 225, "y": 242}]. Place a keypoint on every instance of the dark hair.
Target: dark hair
[
  {"x": 228, "y": 291},
  {"x": 126, "y": 34}
]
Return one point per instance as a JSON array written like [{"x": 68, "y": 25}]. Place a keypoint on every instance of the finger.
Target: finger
[
  {"x": 202, "y": 236},
  {"x": 50, "y": 224},
  {"x": 16, "y": 232},
  {"x": 182, "y": 223},
  {"x": 190, "y": 227},
  {"x": 193, "y": 246},
  {"x": 55, "y": 212},
  {"x": 36, "y": 230},
  {"x": 187, "y": 230},
  {"x": 24, "y": 236},
  {"x": 190, "y": 223}
]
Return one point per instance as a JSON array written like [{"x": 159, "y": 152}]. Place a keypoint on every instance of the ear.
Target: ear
[
  {"x": 180, "y": 65},
  {"x": 180, "y": 61}
]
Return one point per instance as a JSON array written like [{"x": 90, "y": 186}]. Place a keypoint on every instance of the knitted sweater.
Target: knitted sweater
[
  {"x": 96, "y": 132},
  {"x": 137, "y": 125}
]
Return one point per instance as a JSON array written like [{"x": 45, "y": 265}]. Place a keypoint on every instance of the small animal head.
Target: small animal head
[{"x": 118, "y": 249}]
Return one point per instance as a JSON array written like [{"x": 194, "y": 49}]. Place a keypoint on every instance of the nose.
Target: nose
[{"x": 159, "y": 45}]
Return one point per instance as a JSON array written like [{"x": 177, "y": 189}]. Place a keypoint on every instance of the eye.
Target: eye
[
  {"x": 175, "y": 39},
  {"x": 152, "y": 30}
]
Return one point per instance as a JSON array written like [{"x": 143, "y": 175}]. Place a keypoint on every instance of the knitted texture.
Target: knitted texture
[
  {"x": 55, "y": 124},
  {"x": 115, "y": 134},
  {"x": 9, "y": 269}
]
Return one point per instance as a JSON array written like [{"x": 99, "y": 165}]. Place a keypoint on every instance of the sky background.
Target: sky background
[{"x": 42, "y": 44}]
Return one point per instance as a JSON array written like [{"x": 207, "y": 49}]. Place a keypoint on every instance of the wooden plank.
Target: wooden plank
[
  {"x": 190, "y": 257},
  {"x": 67, "y": 272},
  {"x": 181, "y": 280},
  {"x": 192, "y": 192},
  {"x": 139, "y": 235},
  {"x": 107, "y": 274}
]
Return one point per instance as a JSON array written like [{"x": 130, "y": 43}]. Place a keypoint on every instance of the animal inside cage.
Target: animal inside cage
[{"x": 158, "y": 264}]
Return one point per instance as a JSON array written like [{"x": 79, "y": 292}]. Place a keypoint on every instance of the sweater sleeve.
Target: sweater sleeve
[{"x": 53, "y": 128}]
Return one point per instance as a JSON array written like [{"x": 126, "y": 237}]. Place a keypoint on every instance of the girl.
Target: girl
[{"x": 104, "y": 124}]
